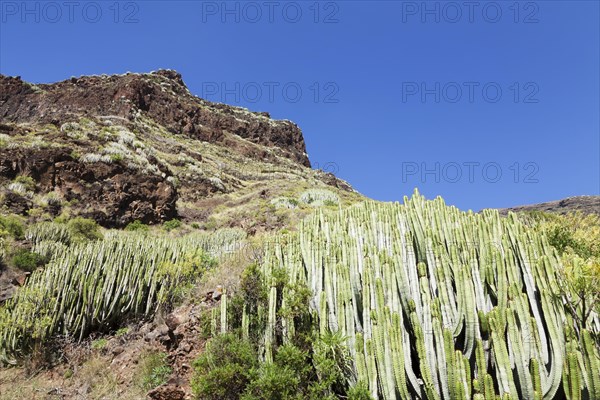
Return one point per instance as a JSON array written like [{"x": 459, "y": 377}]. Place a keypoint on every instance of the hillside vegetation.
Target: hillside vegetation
[
  {"x": 157, "y": 245},
  {"x": 373, "y": 301}
]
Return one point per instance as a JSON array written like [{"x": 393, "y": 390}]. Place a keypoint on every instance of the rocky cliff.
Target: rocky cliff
[
  {"x": 141, "y": 147},
  {"x": 161, "y": 96}
]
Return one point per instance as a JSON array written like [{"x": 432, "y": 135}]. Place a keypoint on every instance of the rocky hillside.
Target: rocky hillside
[
  {"x": 141, "y": 147},
  {"x": 161, "y": 96},
  {"x": 584, "y": 204},
  {"x": 215, "y": 290}
]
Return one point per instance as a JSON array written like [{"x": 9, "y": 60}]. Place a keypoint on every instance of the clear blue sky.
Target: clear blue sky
[{"x": 379, "y": 81}]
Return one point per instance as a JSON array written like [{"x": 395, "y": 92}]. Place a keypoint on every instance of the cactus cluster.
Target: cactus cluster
[
  {"x": 95, "y": 285},
  {"x": 436, "y": 303}
]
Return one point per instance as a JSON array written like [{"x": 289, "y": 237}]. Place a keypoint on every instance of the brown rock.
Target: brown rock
[
  {"x": 161, "y": 96},
  {"x": 160, "y": 333},
  {"x": 167, "y": 392},
  {"x": 112, "y": 194},
  {"x": 20, "y": 279},
  {"x": 16, "y": 203}
]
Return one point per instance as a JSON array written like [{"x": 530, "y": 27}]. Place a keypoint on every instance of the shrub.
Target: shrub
[
  {"x": 99, "y": 344},
  {"x": 91, "y": 158},
  {"x": 52, "y": 199},
  {"x": 273, "y": 383},
  {"x": 180, "y": 275},
  {"x": 122, "y": 332},
  {"x": 116, "y": 157},
  {"x": 172, "y": 224},
  {"x": 26, "y": 181},
  {"x": 360, "y": 391},
  {"x": 319, "y": 197},
  {"x": 26, "y": 260},
  {"x": 138, "y": 226},
  {"x": 154, "y": 370},
  {"x": 284, "y": 202},
  {"x": 84, "y": 229},
  {"x": 11, "y": 225},
  {"x": 330, "y": 203},
  {"x": 225, "y": 368}
]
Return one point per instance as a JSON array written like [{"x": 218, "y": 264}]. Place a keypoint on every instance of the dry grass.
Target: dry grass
[{"x": 93, "y": 380}]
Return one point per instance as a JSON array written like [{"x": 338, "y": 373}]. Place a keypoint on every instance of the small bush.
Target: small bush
[
  {"x": 225, "y": 368},
  {"x": 84, "y": 229},
  {"x": 116, "y": 157},
  {"x": 154, "y": 370},
  {"x": 26, "y": 181},
  {"x": 319, "y": 197},
  {"x": 274, "y": 383},
  {"x": 122, "y": 332},
  {"x": 172, "y": 224},
  {"x": 26, "y": 260},
  {"x": 360, "y": 391},
  {"x": 138, "y": 226},
  {"x": 13, "y": 226},
  {"x": 99, "y": 344}
]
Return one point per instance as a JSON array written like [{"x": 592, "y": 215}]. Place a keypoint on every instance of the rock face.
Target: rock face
[
  {"x": 585, "y": 204},
  {"x": 94, "y": 142},
  {"x": 160, "y": 96},
  {"x": 111, "y": 194}
]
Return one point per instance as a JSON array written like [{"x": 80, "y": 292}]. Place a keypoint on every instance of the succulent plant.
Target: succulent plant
[{"x": 437, "y": 303}]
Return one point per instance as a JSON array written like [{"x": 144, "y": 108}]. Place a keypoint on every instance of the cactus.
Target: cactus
[
  {"x": 592, "y": 364},
  {"x": 224, "y": 312},
  {"x": 476, "y": 296},
  {"x": 572, "y": 375},
  {"x": 535, "y": 377}
]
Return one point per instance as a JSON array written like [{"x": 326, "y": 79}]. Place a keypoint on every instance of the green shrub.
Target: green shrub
[
  {"x": 172, "y": 224},
  {"x": 360, "y": 391},
  {"x": 154, "y": 370},
  {"x": 12, "y": 225},
  {"x": 274, "y": 383},
  {"x": 84, "y": 229},
  {"x": 138, "y": 226},
  {"x": 116, "y": 157},
  {"x": 99, "y": 344},
  {"x": 26, "y": 260},
  {"x": 181, "y": 275},
  {"x": 122, "y": 332},
  {"x": 26, "y": 181},
  {"x": 225, "y": 368}
]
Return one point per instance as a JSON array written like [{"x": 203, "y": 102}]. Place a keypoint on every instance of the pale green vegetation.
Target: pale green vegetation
[
  {"x": 94, "y": 285},
  {"x": 319, "y": 197},
  {"x": 358, "y": 301},
  {"x": 426, "y": 301},
  {"x": 576, "y": 236}
]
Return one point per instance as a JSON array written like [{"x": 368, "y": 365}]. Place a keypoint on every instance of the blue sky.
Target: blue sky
[{"x": 491, "y": 104}]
